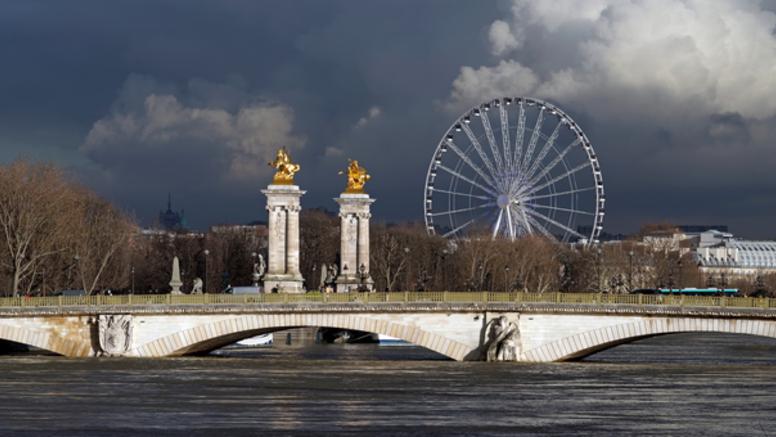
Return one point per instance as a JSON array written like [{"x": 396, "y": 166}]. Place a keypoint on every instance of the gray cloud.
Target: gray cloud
[
  {"x": 142, "y": 98},
  {"x": 145, "y": 123}
]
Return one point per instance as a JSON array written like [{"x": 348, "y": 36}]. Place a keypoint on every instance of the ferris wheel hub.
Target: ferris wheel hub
[{"x": 503, "y": 201}]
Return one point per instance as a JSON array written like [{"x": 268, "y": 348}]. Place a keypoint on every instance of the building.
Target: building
[
  {"x": 170, "y": 220},
  {"x": 720, "y": 252}
]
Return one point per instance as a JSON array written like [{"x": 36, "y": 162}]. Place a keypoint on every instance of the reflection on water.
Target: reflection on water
[{"x": 672, "y": 385}]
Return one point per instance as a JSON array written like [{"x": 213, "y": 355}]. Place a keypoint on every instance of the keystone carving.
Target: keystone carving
[
  {"x": 115, "y": 334},
  {"x": 503, "y": 340}
]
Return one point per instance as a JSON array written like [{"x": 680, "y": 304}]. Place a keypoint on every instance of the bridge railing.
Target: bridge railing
[{"x": 390, "y": 297}]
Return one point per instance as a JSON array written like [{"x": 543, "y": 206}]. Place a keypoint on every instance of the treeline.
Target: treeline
[{"x": 57, "y": 235}]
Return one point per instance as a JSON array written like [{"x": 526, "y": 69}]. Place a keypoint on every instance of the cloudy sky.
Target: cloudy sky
[{"x": 141, "y": 98}]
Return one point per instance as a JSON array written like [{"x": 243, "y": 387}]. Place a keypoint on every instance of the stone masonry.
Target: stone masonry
[
  {"x": 354, "y": 242},
  {"x": 283, "y": 207}
]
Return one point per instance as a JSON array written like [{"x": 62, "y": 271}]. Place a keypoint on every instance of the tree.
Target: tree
[
  {"x": 36, "y": 216},
  {"x": 101, "y": 241},
  {"x": 319, "y": 243}
]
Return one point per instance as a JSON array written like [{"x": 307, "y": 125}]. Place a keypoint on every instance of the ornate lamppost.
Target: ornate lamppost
[{"x": 362, "y": 276}]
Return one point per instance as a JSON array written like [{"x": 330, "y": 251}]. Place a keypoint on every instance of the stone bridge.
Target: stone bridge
[{"x": 550, "y": 329}]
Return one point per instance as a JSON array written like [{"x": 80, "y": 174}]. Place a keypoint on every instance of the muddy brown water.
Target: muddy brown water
[{"x": 679, "y": 385}]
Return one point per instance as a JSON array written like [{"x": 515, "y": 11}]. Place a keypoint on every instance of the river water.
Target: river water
[{"x": 674, "y": 385}]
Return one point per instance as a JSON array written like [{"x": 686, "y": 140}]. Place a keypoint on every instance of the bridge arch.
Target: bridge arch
[
  {"x": 45, "y": 340},
  {"x": 213, "y": 335},
  {"x": 595, "y": 340}
]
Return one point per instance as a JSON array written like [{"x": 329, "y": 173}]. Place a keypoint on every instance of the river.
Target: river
[{"x": 677, "y": 385}]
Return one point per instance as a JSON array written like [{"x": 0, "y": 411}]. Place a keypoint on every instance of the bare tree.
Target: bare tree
[
  {"x": 101, "y": 242},
  {"x": 36, "y": 213}
]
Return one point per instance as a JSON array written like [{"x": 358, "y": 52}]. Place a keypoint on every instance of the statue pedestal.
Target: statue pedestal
[
  {"x": 354, "y": 248},
  {"x": 283, "y": 273}
]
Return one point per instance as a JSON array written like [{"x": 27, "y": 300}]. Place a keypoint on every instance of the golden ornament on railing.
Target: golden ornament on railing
[
  {"x": 285, "y": 168},
  {"x": 357, "y": 177}
]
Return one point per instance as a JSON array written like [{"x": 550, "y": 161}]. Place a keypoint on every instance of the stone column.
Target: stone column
[
  {"x": 276, "y": 239},
  {"x": 283, "y": 265},
  {"x": 292, "y": 247},
  {"x": 363, "y": 241},
  {"x": 354, "y": 242}
]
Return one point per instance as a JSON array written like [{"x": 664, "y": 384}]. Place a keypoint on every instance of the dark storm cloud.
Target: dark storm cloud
[
  {"x": 142, "y": 98},
  {"x": 81, "y": 65}
]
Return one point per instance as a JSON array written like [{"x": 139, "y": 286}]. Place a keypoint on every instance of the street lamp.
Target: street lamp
[
  {"x": 679, "y": 274},
  {"x": 204, "y": 281},
  {"x": 630, "y": 270},
  {"x": 362, "y": 278},
  {"x": 132, "y": 279},
  {"x": 507, "y": 284},
  {"x": 76, "y": 261},
  {"x": 598, "y": 284},
  {"x": 444, "y": 269}
]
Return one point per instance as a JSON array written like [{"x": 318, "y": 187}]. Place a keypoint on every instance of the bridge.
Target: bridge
[{"x": 460, "y": 325}]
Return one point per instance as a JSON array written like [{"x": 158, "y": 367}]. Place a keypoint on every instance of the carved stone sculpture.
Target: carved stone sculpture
[
  {"x": 115, "y": 334},
  {"x": 503, "y": 340},
  {"x": 262, "y": 266},
  {"x": 324, "y": 276},
  {"x": 196, "y": 287}
]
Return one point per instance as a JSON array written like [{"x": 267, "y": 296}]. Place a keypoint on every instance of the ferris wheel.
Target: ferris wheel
[{"x": 512, "y": 167}]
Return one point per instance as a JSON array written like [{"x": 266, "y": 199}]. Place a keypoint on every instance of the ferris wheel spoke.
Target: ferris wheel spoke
[
  {"x": 531, "y": 190},
  {"x": 464, "y": 178},
  {"x": 471, "y": 164},
  {"x": 557, "y": 160},
  {"x": 463, "y": 226},
  {"x": 521, "y": 218},
  {"x": 532, "y": 142},
  {"x": 460, "y": 210},
  {"x": 558, "y": 208},
  {"x": 519, "y": 136},
  {"x": 510, "y": 224},
  {"x": 538, "y": 225},
  {"x": 491, "y": 140},
  {"x": 543, "y": 152},
  {"x": 506, "y": 144},
  {"x": 478, "y": 147},
  {"x": 553, "y": 222},
  {"x": 498, "y": 223},
  {"x": 458, "y": 193},
  {"x": 562, "y": 193}
]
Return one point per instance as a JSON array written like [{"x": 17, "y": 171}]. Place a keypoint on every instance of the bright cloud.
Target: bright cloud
[{"x": 713, "y": 56}]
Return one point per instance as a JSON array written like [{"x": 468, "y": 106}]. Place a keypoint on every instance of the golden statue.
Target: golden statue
[
  {"x": 285, "y": 168},
  {"x": 357, "y": 177}
]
